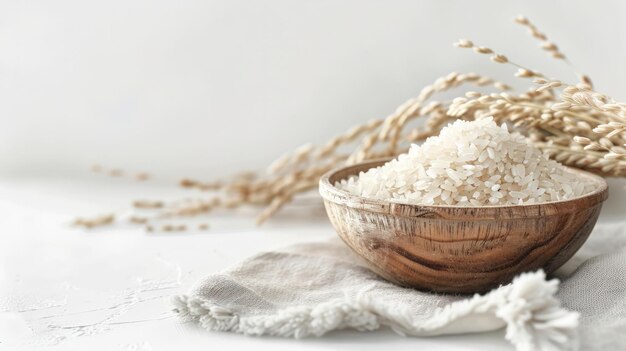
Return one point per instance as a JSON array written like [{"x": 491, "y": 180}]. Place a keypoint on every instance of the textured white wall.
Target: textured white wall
[{"x": 207, "y": 87}]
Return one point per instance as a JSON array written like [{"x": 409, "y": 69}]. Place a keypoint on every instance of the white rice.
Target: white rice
[{"x": 472, "y": 163}]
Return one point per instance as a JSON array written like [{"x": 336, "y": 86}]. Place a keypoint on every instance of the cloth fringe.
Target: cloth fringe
[{"x": 528, "y": 308}]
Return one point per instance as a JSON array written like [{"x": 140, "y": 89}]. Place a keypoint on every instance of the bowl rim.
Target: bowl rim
[{"x": 330, "y": 193}]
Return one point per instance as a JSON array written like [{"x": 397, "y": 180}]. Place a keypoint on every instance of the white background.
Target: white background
[{"x": 206, "y": 88}]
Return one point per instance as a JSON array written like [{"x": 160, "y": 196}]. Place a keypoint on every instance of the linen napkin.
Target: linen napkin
[{"x": 313, "y": 288}]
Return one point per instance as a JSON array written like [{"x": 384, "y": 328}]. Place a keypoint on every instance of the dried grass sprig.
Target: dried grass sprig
[
  {"x": 550, "y": 46},
  {"x": 522, "y": 72},
  {"x": 414, "y": 108},
  {"x": 97, "y": 221},
  {"x": 572, "y": 124}
]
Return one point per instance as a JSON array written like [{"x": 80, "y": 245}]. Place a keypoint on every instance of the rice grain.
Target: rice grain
[{"x": 470, "y": 163}]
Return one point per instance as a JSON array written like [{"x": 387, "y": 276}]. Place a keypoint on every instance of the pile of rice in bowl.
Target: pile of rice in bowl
[{"x": 470, "y": 163}]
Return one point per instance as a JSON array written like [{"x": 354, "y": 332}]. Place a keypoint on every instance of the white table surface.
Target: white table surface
[{"x": 63, "y": 288}]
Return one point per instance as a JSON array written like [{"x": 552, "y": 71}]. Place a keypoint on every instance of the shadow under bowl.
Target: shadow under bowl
[{"x": 458, "y": 249}]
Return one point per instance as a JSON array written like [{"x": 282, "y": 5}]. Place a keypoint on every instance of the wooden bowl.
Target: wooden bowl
[{"x": 456, "y": 249}]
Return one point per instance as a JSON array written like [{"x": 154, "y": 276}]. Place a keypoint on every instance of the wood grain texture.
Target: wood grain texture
[{"x": 459, "y": 249}]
